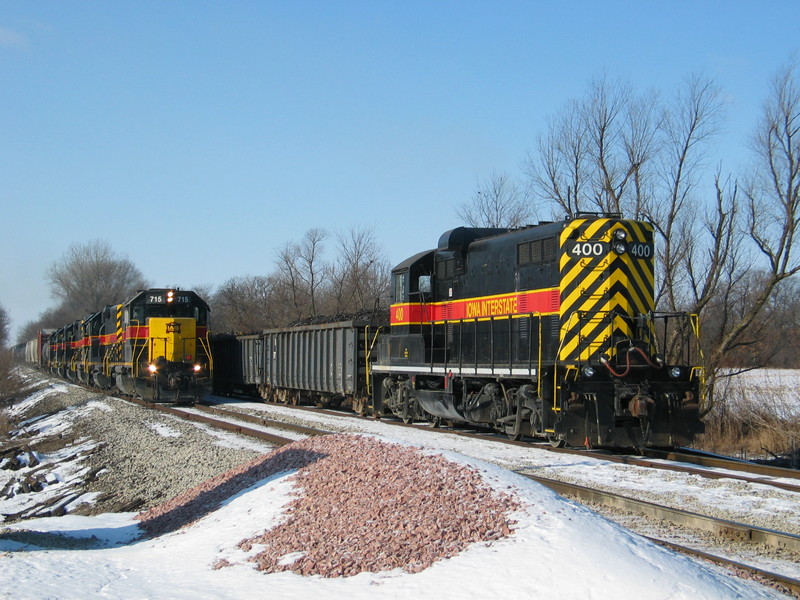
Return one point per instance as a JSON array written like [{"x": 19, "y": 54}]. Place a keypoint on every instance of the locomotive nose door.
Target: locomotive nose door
[{"x": 174, "y": 339}]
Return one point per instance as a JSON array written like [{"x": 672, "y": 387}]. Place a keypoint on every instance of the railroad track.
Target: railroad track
[
  {"x": 736, "y": 532},
  {"x": 721, "y": 462},
  {"x": 711, "y": 467}
]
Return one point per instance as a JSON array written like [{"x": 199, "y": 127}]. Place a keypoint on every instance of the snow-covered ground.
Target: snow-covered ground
[{"x": 558, "y": 550}]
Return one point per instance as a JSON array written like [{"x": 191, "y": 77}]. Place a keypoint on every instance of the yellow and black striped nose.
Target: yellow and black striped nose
[{"x": 607, "y": 279}]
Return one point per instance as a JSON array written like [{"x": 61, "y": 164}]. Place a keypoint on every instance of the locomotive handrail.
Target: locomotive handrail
[
  {"x": 368, "y": 347},
  {"x": 205, "y": 343},
  {"x": 699, "y": 371},
  {"x": 138, "y": 350},
  {"x": 533, "y": 360}
]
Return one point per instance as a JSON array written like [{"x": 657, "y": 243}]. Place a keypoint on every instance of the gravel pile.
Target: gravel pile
[
  {"x": 149, "y": 457},
  {"x": 362, "y": 505}
]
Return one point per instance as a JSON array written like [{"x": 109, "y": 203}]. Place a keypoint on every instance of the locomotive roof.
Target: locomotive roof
[
  {"x": 411, "y": 260},
  {"x": 463, "y": 236},
  {"x": 460, "y": 238}
]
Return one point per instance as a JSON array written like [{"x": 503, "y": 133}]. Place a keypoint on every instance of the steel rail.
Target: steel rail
[
  {"x": 260, "y": 420},
  {"x": 790, "y": 584},
  {"x": 728, "y": 529},
  {"x": 724, "y": 463},
  {"x": 731, "y": 466},
  {"x": 704, "y": 472},
  {"x": 226, "y": 425}
]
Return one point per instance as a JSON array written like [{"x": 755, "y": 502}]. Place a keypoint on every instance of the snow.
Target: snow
[
  {"x": 559, "y": 550},
  {"x": 774, "y": 391}
]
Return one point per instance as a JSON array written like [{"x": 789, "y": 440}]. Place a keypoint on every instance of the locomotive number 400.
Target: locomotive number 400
[{"x": 590, "y": 249}]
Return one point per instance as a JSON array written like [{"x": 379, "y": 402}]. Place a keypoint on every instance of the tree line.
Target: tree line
[{"x": 304, "y": 283}]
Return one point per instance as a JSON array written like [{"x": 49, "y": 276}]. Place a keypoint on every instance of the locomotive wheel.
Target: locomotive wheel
[
  {"x": 555, "y": 442},
  {"x": 514, "y": 437}
]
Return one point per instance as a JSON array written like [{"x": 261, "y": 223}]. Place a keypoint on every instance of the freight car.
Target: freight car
[
  {"x": 154, "y": 345},
  {"x": 546, "y": 331},
  {"x": 325, "y": 364}
]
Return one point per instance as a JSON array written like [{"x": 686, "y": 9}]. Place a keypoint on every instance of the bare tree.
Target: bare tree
[
  {"x": 687, "y": 239},
  {"x": 498, "y": 202},
  {"x": 91, "y": 276},
  {"x": 773, "y": 200},
  {"x": 244, "y": 305},
  {"x": 597, "y": 153},
  {"x": 360, "y": 276},
  {"x": 301, "y": 274},
  {"x": 5, "y": 324},
  {"x": 709, "y": 264}
]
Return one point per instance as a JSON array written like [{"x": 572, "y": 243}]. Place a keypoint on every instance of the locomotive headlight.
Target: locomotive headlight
[
  {"x": 675, "y": 372},
  {"x": 619, "y": 247},
  {"x": 620, "y": 234},
  {"x": 152, "y": 368},
  {"x": 197, "y": 368},
  {"x": 589, "y": 371}
]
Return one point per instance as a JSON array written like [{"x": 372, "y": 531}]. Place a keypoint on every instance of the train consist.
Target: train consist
[
  {"x": 154, "y": 345},
  {"x": 545, "y": 331}
]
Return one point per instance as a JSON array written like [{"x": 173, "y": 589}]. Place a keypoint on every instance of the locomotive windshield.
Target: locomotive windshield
[{"x": 176, "y": 310}]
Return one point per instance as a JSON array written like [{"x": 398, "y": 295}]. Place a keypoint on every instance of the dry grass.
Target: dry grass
[{"x": 750, "y": 425}]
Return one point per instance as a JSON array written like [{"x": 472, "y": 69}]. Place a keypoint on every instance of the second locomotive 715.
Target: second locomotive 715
[
  {"x": 547, "y": 331},
  {"x": 154, "y": 345}
]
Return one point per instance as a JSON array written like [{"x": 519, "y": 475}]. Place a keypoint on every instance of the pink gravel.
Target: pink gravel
[{"x": 362, "y": 505}]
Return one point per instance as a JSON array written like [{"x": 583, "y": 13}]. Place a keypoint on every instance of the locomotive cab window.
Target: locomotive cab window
[
  {"x": 400, "y": 287},
  {"x": 425, "y": 284},
  {"x": 137, "y": 313}
]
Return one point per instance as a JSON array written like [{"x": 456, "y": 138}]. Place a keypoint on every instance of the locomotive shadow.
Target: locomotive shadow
[{"x": 210, "y": 496}]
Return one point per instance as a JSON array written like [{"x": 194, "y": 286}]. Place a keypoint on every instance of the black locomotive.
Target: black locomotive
[
  {"x": 547, "y": 331},
  {"x": 155, "y": 345}
]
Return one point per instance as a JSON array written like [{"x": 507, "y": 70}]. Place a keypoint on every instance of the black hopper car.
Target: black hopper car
[
  {"x": 546, "y": 331},
  {"x": 324, "y": 364}
]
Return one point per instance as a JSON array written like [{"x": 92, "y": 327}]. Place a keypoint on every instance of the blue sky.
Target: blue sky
[{"x": 198, "y": 138}]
